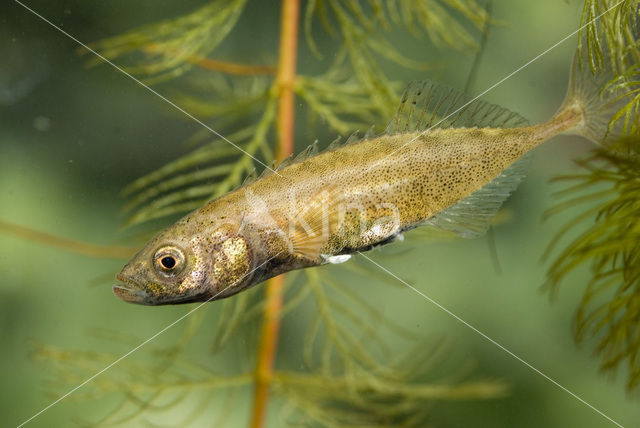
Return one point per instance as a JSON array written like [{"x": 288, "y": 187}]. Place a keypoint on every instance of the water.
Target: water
[{"x": 72, "y": 137}]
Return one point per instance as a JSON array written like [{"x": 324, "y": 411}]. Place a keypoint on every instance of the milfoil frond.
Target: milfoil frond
[
  {"x": 192, "y": 180},
  {"x": 362, "y": 26},
  {"x": 339, "y": 99},
  {"x": 609, "y": 190},
  {"x": 609, "y": 37},
  {"x": 628, "y": 117},
  {"x": 349, "y": 373},
  {"x": 167, "y": 49},
  {"x": 353, "y": 94},
  {"x": 443, "y": 21},
  {"x": 609, "y": 43}
]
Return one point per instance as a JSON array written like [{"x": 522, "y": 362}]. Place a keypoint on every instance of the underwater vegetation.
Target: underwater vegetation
[
  {"x": 607, "y": 188},
  {"x": 342, "y": 366}
]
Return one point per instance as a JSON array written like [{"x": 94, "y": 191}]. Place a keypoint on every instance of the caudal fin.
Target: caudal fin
[{"x": 597, "y": 99}]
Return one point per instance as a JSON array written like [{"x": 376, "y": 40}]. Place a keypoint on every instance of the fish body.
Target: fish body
[
  {"x": 380, "y": 178},
  {"x": 348, "y": 199}
]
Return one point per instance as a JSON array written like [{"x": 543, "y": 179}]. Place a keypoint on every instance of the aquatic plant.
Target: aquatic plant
[
  {"x": 607, "y": 192},
  {"x": 611, "y": 42},
  {"x": 345, "y": 381},
  {"x": 350, "y": 376},
  {"x": 342, "y": 381},
  {"x": 609, "y": 189}
]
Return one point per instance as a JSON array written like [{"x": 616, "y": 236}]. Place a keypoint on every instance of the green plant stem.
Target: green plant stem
[{"x": 66, "y": 244}]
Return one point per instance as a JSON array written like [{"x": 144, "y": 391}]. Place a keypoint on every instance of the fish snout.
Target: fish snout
[{"x": 130, "y": 292}]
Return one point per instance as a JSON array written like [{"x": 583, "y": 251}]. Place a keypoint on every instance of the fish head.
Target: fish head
[{"x": 177, "y": 268}]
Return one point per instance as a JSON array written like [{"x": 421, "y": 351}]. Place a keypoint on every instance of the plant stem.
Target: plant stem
[
  {"x": 285, "y": 122},
  {"x": 231, "y": 68},
  {"x": 66, "y": 244},
  {"x": 285, "y": 79},
  {"x": 267, "y": 350}
]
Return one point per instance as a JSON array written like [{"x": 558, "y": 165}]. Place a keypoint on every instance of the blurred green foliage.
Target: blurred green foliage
[
  {"x": 609, "y": 41},
  {"x": 609, "y": 189},
  {"x": 345, "y": 381},
  {"x": 356, "y": 364}
]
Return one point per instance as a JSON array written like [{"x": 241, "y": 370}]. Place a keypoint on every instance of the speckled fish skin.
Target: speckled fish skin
[
  {"x": 245, "y": 236},
  {"x": 452, "y": 173}
]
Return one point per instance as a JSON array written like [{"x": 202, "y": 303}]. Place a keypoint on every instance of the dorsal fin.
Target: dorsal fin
[
  {"x": 285, "y": 163},
  {"x": 339, "y": 142},
  {"x": 427, "y": 105},
  {"x": 311, "y": 150},
  {"x": 353, "y": 138},
  {"x": 370, "y": 133},
  {"x": 269, "y": 170},
  {"x": 250, "y": 178},
  {"x": 335, "y": 144},
  {"x": 471, "y": 216}
]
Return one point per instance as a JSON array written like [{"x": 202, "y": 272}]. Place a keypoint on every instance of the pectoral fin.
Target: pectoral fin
[{"x": 312, "y": 226}]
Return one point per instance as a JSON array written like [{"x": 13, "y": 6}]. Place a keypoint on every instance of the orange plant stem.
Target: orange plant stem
[
  {"x": 267, "y": 350},
  {"x": 217, "y": 65},
  {"x": 285, "y": 80},
  {"x": 231, "y": 68},
  {"x": 286, "y": 77}
]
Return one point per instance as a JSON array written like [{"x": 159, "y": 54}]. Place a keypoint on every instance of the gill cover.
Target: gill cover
[{"x": 232, "y": 265}]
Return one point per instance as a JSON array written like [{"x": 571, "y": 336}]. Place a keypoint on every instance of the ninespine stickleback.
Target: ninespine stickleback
[{"x": 443, "y": 162}]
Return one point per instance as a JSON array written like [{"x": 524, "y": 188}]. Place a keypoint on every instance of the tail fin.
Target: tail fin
[{"x": 598, "y": 101}]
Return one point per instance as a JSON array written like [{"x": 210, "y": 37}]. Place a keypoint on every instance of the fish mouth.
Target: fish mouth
[
  {"x": 133, "y": 293},
  {"x": 130, "y": 292},
  {"x": 130, "y": 295}
]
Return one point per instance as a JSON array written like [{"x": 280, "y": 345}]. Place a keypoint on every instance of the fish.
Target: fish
[{"x": 444, "y": 161}]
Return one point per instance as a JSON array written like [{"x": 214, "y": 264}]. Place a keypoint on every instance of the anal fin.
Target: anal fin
[{"x": 471, "y": 217}]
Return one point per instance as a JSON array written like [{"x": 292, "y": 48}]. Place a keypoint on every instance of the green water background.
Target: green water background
[{"x": 76, "y": 136}]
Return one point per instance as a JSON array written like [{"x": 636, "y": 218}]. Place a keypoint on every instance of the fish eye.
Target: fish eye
[{"x": 169, "y": 261}]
